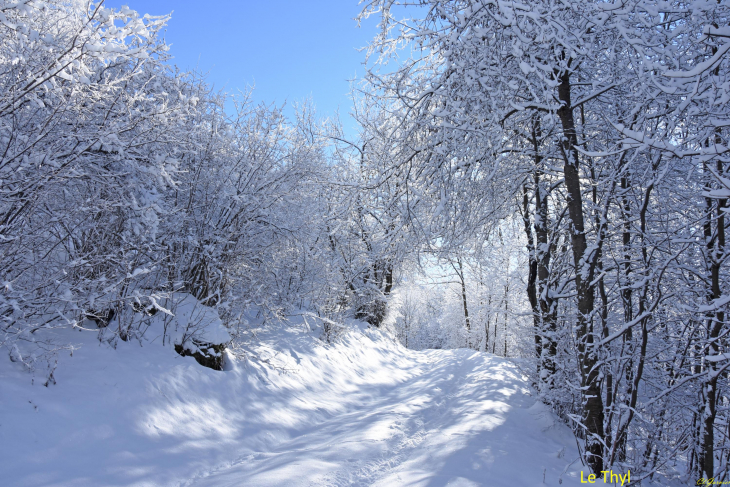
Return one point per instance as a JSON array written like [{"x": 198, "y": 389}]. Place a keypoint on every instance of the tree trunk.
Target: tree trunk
[
  {"x": 584, "y": 271},
  {"x": 532, "y": 277},
  {"x": 715, "y": 324},
  {"x": 544, "y": 250},
  {"x": 463, "y": 295}
]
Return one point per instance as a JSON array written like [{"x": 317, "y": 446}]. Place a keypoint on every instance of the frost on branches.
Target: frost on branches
[
  {"x": 545, "y": 180},
  {"x": 603, "y": 126},
  {"x": 126, "y": 190}
]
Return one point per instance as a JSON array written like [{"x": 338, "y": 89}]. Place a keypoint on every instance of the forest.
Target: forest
[{"x": 542, "y": 181}]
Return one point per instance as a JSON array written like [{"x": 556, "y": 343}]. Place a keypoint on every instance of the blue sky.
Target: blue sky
[{"x": 290, "y": 49}]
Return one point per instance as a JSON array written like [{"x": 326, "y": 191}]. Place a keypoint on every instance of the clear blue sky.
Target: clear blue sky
[{"x": 290, "y": 49}]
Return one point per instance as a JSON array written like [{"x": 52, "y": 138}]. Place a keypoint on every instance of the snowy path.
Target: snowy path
[
  {"x": 362, "y": 412},
  {"x": 459, "y": 418}
]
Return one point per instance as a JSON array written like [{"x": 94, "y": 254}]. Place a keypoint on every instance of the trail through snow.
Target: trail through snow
[
  {"x": 361, "y": 412},
  {"x": 455, "y": 417}
]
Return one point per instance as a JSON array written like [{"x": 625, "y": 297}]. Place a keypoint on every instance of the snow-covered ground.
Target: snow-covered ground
[{"x": 298, "y": 412}]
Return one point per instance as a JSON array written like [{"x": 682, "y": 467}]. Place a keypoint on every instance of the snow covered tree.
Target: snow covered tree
[{"x": 604, "y": 124}]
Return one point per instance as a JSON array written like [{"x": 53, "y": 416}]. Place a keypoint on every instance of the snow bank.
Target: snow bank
[{"x": 291, "y": 410}]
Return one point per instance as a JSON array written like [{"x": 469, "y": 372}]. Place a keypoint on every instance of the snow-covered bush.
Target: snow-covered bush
[
  {"x": 89, "y": 118},
  {"x": 124, "y": 181}
]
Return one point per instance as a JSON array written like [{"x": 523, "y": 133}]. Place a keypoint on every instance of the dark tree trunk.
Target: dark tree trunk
[
  {"x": 388, "y": 279},
  {"x": 715, "y": 324},
  {"x": 463, "y": 294},
  {"x": 532, "y": 276},
  {"x": 584, "y": 273},
  {"x": 543, "y": 255}
]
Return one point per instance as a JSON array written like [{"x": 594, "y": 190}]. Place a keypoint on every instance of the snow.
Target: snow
[
  {"x": 191, "y": 317},
  {"x": 291, "y": 410}
]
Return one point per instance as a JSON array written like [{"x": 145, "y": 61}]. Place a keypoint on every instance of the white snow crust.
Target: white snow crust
[{"x": 291, "y": 410}]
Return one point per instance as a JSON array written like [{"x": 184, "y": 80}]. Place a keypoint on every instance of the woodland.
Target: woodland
[{"x": 544, "y": 181}]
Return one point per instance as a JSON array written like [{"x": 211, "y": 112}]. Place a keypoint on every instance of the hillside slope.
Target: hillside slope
[{"x": 295, "y": 412}]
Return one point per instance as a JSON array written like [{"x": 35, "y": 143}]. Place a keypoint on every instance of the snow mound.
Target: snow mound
[
  {"x": 180, "y": 318},
  {"x": 288, "y": 410}
]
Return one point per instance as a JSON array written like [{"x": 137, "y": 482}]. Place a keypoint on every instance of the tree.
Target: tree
[{"x": 588, "y": 113}]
